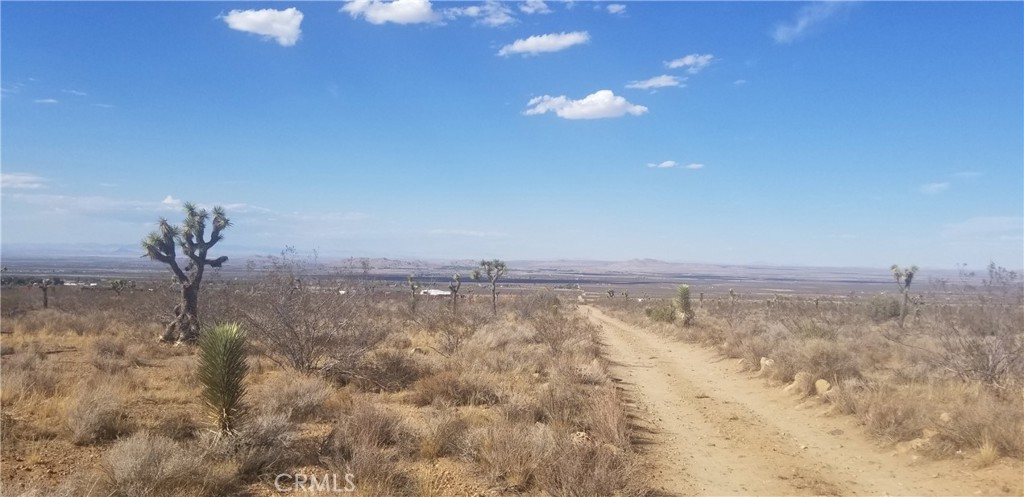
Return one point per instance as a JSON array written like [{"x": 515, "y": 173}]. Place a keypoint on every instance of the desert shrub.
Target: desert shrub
[
  {"x": 892, "y": 414},
  {"x": 386, "y": 370},
  {"x": 980, "y": 418},
  {"x": 368, "y": 443},
  {"x": 605, "y": 419},
  {"x": 591, "y": 373},
  {"x": 297, "y": 396},
  {"x": 109, "y": 355},
  {"x": 147, "y": 465},
  {"x": 584, "y": 469},
  {"x": 811, "y": 329},
  {"x": 883, "y": 308},
  {"x": 562, "y": 402},
  {"x": 511, "y": 454},
  {"x": 830, "y": 360},
  {"x": 28, "y": 373},
  {"x": 664, "y": 313},
  {"x": 443, "y": 435},
  {"x": 535, "y": 304},
  {"x": 96, "y": 411},
  {"x": 263, "y": 444},
  {"x": 455, "y": 388}
]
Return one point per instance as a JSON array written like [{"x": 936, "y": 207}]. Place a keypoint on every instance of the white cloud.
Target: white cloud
[
  {"x": 491, "y": 13},
  {"x": 169, "y": 200},
  {"x": 740, "y": 82},
  {"x": 598, "y": 105},
  {"x": 694, "y": 63},
  {"x": 986, "y": 228},
  {"x": 934, "y": 188},
  {"x": 284, "y": 26},
  {"x": 466, "y": 233},
  {"x": 21, "y": 181},
  {"x": 103, "y": 106},
  {"x": 671, "y": 164},
  {"x": 76, "y": 93},
  {"x": 807, "y": 19},
  {"x": 396, "y": 11},
  {"x": 534, "y": 7},
  {"x": 663, "y": 81},
  {"x": 617, "y": 8},
  {"x": 46, "y": 101},
  {"x": 553, "y": 42}
]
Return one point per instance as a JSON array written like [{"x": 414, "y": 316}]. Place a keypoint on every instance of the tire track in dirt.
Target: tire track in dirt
[{"x": 713, "y": 431}]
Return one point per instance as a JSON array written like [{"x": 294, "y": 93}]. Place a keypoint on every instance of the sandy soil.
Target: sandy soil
[{"x": 709, "y": 429}]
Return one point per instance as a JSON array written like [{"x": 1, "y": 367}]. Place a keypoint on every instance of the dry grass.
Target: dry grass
[{"x": 96, "y": 412}]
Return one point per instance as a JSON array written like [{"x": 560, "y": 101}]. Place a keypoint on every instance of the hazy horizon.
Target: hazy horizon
[{"x": 793, "y": 134}]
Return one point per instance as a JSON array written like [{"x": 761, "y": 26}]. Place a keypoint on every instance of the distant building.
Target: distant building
[{"x": 433, "y": 292}]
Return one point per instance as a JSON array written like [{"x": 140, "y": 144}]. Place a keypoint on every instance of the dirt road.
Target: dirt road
[{"x": 712, "y": 430}]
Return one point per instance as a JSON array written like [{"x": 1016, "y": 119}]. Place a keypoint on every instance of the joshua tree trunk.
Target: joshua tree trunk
[
  {"x": 185, "y": 325},
  {"x": 494, "y": 299},
  {"x": 46, "y": 296}
]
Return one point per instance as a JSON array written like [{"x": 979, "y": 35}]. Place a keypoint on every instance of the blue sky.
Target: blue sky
[{"x": 852, "y": 134}]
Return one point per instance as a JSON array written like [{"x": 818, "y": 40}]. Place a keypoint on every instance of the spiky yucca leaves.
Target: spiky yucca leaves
[
  {"x": 684, "y": 304},
  {"x": 222, "y": 371}
]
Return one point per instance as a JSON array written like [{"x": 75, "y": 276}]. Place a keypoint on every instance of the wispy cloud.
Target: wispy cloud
[
  {"x": 616, "y": 8},
  {"x": 598, "y": 105},
  {"x": 985, "y": 228},
  {"x": 103, "y": 106},
  {"x": 396, "y": 11},
  {"x": 77, "y": 93},
  {"x": 466, "y": 233},
  {"x": 663, "y": 81},
  {"x": 22, "y": 181},
  {"x": 739, "y": 82},
  {"x": 934, "y": 188},
  {"x": 491, "y": 13},
  {"x": 966, "y": 174},
  {"x": 46, "y": 101},
  {"x": 808, "y": 19},
  {"x": 534, "y": 7},
  {"x": 669, "y": 164},
  {"x": 283, "y": 26},
  {"x": 548, "y": 43},
  {"x": 694, "y": 63}
]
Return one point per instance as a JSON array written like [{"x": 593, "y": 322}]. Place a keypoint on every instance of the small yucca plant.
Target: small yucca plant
[
  {"x": 685, "y": 306},
  {"x": 222, "y": 371}
]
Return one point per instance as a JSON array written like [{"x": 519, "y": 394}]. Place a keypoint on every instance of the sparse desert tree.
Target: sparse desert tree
[
  {"x": 119, "y": 286},
  {"x": 903, "y": 279},
  {"x": 222, "y": 372},
  {"x": 611, "y": 293},
  {"x": 45, "y": 285},
  {"x": 454, "y": 288},
  {"x": 414, "y": 288},
  {"x": 492, "y": 270},
  {"x": 161, "y": 246},
  {"x": 684, "y": 304}
]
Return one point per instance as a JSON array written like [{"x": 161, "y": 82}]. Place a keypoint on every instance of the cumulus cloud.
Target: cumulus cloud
[
  {"x": 934, "y": 188},
  {"x": 553, "y": 42},
  {"x": 663, "y": 81},
  {"x": 807, "y": 19},
  {"x": 616, "y": 8},
  {"x": 491, "y": 13},
  {"x": 283, "y": 26},
  {"x": 694, "y": 63},
  {"x": 396, "y": 11},
  {"x": 169, "y": 200},
  {"x": 21, "y": 181},
  {"x": 534, "y": 7},
  {"x": 46, "y": 101},
  {"x": 598, "y": 105}
]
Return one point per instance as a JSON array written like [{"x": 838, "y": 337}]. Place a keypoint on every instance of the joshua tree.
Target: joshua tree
[
  {"x": 611, "y": 294},
  {"x": 222, "y": 371},
  {"x": 903, "y": 279},
  {"x": 160, "y": 246},
  {"x": 119, "y": 286},
  {"x": 493, "y": 270},
  {"x": 454, "y": 287},
  {"x": 45, "y": 285},
  {"x": 414, "y": 287},
  {"x": 683, "y": 301}
]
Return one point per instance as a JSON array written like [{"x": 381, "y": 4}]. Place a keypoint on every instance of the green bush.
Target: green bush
[
  {"x": 222, "y": 371},
  {"x": 883, "y": 308},
  {"x": 662, "y": 313}
]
